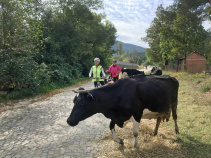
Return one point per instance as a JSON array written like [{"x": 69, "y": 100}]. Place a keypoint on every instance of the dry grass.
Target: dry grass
[
  {"x": 162, "y": 145},
  {"x": 194, "y": 120}
]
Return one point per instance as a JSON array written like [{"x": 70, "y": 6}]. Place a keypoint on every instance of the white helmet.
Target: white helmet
[{"x": 97, "y": 59}]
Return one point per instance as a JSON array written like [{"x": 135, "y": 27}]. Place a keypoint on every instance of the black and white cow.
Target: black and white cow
[
  {"x": 156, "y": 71},
  {"x": 132, "y": 72},
  {"x": 128, "y": 98}
]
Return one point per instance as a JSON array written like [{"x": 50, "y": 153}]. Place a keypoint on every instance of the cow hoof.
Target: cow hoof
[
  {"x": 155, "y": 133},
  {"x": 121, "y": 142},
  {"x": 177, "y": 131},
  {"x": 135, "y": 146}
]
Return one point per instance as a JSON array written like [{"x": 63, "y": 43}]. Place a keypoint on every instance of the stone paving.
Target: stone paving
[{"x": 40, "y": 130}]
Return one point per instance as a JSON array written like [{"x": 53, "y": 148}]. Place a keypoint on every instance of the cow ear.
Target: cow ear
[{"x": 89, "y": 95}]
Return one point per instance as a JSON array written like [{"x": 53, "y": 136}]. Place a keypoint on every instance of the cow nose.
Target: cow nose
[{"x": 71, "y": 123}]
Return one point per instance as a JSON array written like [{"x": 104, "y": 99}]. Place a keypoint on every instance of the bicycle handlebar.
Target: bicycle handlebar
[{"x": 97, "y": 78}]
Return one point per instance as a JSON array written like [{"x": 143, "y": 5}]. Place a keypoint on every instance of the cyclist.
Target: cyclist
[
  {"x": 115, "y": 70},
  {"x": 96, "y": 72}
]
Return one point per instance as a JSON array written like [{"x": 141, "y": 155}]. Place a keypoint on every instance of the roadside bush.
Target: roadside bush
[
  {"x": 200, "y": 75},
  {"x": 20, "y": 93},
  {"x": 147, "y": 62},
  {"x": 205, "y": 87},
  {"x": 42, "y": 75},
  {"x": 52, "y": 50},
  {"x": 59, "y": 73},
  {"x": 18, "y": 73}
]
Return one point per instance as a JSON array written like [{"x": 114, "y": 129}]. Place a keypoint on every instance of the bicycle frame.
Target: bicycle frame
[{"x": 98, "y": 82}]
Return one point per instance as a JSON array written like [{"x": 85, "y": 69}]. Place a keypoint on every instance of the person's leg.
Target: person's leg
[
  {"x": 95, "y": 84},
  {"x": 102, "y": 83},
  {"x": 115, "y": 79}
]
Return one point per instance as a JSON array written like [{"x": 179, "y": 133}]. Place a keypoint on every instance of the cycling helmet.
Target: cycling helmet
[
  {"x": 114, "y": 60},
  {"x": 97, "y": 59}
]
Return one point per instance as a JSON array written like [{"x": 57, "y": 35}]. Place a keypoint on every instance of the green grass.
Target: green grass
[
  {"x": 42, "y": 90},
  {"x": 194, "y": 117},
  {"x": 147, "y": 73},
  {"x": 53, "y": 86},
  {"x": 205, "y": 87}
]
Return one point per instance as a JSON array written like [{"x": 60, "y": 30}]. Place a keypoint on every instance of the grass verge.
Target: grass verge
[
  {"x": 194, "y": 117},
  {"x": 15, "y": 95}
]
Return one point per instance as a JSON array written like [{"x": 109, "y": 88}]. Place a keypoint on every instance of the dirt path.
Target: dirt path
[
  {"x": 146, "y": 70},
  {"x": 40, "y": 130}
]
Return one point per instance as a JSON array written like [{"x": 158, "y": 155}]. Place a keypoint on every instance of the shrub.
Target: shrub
[
  {"x": 42, "y": 75},
  {"x": 200, "y": 75},
  {"x": 205, "y": 87},
  {"x": 18, "y": 73}
]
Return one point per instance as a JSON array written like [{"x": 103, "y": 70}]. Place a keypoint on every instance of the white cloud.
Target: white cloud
[
  {"x": 207, "y": 25},
  {"x": 132, "y": 17}
]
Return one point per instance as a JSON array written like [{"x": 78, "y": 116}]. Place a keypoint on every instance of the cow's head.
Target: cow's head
[
  {"x": 153, "y": 69},
  {"x": 85, "y": 105}
]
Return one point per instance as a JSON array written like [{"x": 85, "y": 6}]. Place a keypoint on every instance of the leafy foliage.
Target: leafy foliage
[
  {"x": 49, "y": 42},
  {"x": 129, "y": 53},
  {"x": 135, "y": 57},
  {"x": 119, "y": 48},
  {"x": 177, "y": 30}
]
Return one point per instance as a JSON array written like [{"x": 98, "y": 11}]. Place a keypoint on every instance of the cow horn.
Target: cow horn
[
  {"x": 82, "y": 91},
  {"x": 75, "y": 91}
]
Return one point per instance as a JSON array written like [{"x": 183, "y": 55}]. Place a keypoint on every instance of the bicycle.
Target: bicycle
[
  {"x": 98, "y": 82},
  {"x": 110, "y": 76}
]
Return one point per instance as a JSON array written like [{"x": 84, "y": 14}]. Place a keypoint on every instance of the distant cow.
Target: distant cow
[
  {"x": 154, "y": 68},
  {"x": 124, "y": 75},
  {"x": 156, "y": 71},
  {"x": 128, "y": 98},
  {"x": 132, "y": 72}
]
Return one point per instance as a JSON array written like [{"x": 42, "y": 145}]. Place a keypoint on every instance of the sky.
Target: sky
[{"x": 132, "y": 17}]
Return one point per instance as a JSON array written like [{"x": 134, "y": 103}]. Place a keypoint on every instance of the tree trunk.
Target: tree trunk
[
  {"x": 185, "y": 63},
  {"x": 177, "y": 65},
  {"x": 3, "y": 26},
  {"x": 166, "y": 62}
]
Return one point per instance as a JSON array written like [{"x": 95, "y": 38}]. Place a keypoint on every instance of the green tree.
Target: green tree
[
  {"x": 188, "y": 36},
  {"x": 177, "y": 31},
  {"x": 76, "y": 36},
  {"x": 135, "y": 53},
  {"x": 119, "y": 48},
  {"x": 197, "y": 8},
  {"x": 48, "y": 42},
  {"x": 153, "y": 39},
  {"x": 140, "y": 61},
  {"x": 20, "y": 40},
  {"x": 165, "y": 43}
]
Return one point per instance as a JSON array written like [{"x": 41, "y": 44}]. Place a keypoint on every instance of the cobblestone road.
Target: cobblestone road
[{"x": 40, "y": 130}]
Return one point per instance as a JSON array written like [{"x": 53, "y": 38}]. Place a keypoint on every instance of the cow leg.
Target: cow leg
[
  {"x": 174, "y": 114},
  {"x": 115, "y": 137},
  {"x": 157, "y": 126},
  {"x": 135, "y": 131}
]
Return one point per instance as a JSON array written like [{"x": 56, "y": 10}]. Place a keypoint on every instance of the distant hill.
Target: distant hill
[{"x": 129, "y": 47}]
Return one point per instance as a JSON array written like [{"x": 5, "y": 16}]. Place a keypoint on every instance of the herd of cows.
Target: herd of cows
[
  {"x": 134, "y": 72},
  {"x": 135, "y": 97}
]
